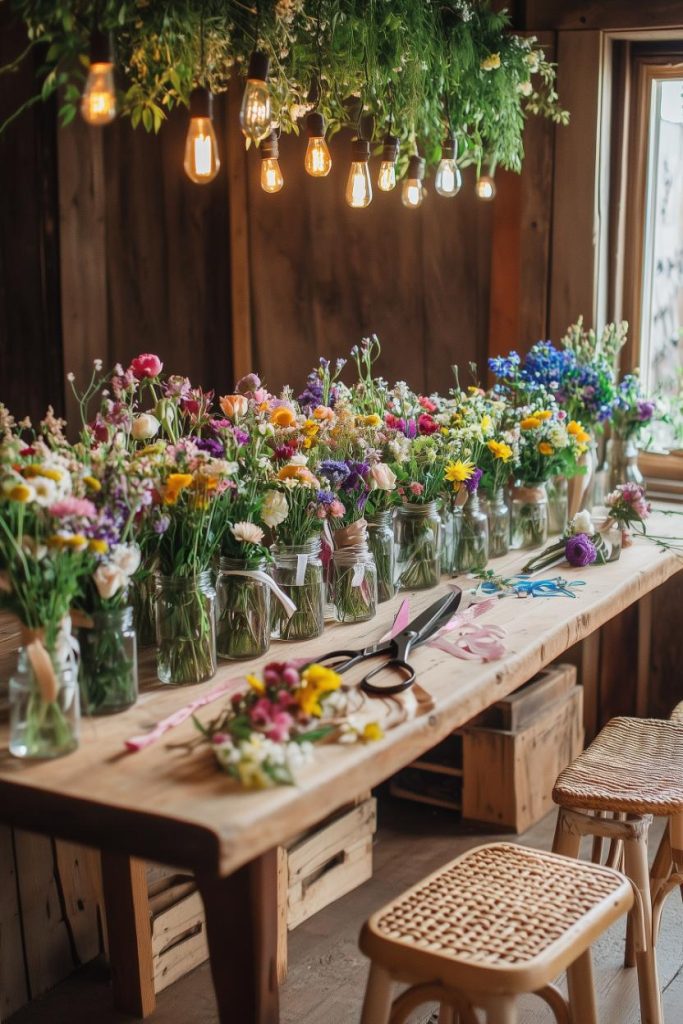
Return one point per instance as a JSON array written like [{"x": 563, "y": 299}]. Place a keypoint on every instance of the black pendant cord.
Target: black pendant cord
[{"x": 202, "y": 48}]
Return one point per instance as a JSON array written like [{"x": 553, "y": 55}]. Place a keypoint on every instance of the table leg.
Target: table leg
[
  {"x": 124, "y": 881},
  {"x": 590, "y": 680},
  {"x": 644, "y": 646},
  {"x": 242, "y": 926}
]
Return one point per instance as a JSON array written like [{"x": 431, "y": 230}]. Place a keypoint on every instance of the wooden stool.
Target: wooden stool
[
  {"x": 632, "y": 770},
  {"x": 664, "y": 877},
  {"x": 499, "y": 921}
]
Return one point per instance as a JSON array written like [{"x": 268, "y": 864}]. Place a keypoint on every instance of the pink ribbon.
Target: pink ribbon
[
  {"x": 474, "y": 641},
  {"x": 182, "y": 714},
  {"x": 401, "y": 621}
]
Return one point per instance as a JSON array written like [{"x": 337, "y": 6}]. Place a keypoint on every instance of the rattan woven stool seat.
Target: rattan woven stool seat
[
  {"x": 677, "y": 714},
  {"x": 634, "y": 765},
  {"x": 497, "y": 913}
]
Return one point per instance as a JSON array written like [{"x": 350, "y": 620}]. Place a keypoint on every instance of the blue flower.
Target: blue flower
[{"x": 505, "y": 366}]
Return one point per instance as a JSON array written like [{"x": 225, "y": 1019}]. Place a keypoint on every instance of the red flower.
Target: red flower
[
  {"x": 146, "y": 365},
  {"x": 427, "y": 403},
  {"x": 426, "y": 424},
  {"x": 27, "y": 451}
]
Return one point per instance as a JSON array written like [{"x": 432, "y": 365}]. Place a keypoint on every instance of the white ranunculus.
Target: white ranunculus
[
  {"x": 109, "y": 579},
  {"x": 126, "y": 557},
  {"x": 145, "y": 426},
  {"x": 298, "y": 460},
  {"x": 383, "y": 477},
  {"x": 275, "y": 509},
  {"x": 582, "y": 523},
  {"x": 247, "y": 533}
]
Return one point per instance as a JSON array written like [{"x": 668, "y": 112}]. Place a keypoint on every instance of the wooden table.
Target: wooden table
[{"x": 167, "y": 805}]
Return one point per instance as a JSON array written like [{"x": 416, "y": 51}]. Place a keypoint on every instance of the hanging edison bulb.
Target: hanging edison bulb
[
  {"x": 271, "y": 174},
  {"x": 255, "y": 112},
  {"x": 412, "y": 192},
  {"x": 358, "y": 184},
  {"x": 318, "y": 162},
  {"x": 201, "y": 162},
  {"x": 386, "y": 179},
  {"x": 448, "y": 179},
  {"x": 485, "y": 187},
  {"x": 98, "y": 102}
]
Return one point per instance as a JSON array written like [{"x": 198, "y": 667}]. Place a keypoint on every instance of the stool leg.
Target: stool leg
[
  {"x": 582, "y": 1008},
  {"x": 447, "y": 1015},
  {"x": 377, "y": 1002},
  {"x": 500, "y": 1010},
  {"x": 636, "y": 867},
  {"x": 565, "y": 842}
]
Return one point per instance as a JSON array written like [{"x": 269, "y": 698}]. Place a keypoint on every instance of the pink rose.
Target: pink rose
[
  {"x": 146, "y": 365},
  {"x": 416, "y": 488},
  {"x": 427, "y": 403},
  {"x": 426, "y": 424}
]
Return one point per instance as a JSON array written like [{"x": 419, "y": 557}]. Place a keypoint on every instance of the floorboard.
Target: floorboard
[{"x": 327, "y": 972}]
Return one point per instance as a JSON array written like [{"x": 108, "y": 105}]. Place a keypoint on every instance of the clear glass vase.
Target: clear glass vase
[
  {"x": 353, "y": 584},
  {"x": 381, "y": 544},
  {"x": 417, "y": 536},
  {"x": 622, "y": 463},
  {"x": 109, "y": 662},
  {"x": 144, "y": 615},
  {"x": 558, "y": 504},
  {"x": 472, "y": 553},
  {"x": 498, "y": 514},
  {"x": 186, "y": 628},
  {"x": 44, "y": 714},
  {"x": 298, "y": 572},
  {"x": 528, "y": 516},
  {"x": 242, "y": 610},
  {"x": 450, "y": 519}
]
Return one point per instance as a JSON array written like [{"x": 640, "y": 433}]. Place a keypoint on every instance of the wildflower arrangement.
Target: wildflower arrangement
[
  {"x": 581, "y": 545},
  {"x": 629, "y": 508},
  {"x": 268, "y": 733},
  {"x": 631, "y": 411}
]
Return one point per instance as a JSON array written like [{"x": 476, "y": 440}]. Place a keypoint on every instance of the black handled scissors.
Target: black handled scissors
[{"x": 397, "y": 649}]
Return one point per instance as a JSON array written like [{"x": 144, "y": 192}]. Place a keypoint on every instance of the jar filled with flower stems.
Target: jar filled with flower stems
[
  {"x": 186, "y": 628},
  {"x": 44, "y": 705},
  {"x": 417, "y": 536},
  {"x": 143, "y": 594},
  {"x": 558, "y": 504},
  {"x": 298, "y": 572},
  {"x": 528, "y": 516},
  {"x": 450, "y": 517},
  {"x": 498, "y": 514},
  {"x": 472, "y": 552},
  {"x": 109, "y": 664},
  {"x": 242, "y": 608},
  {"x": 353, "y": 584},
  {"x": 381, "y": 544}
]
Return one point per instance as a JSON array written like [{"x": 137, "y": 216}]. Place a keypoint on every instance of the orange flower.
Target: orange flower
[
  {"x": 323, "y": 412},
  {"x": 283, "y": 416},
  {"x": 545, "y": 448},
  {"x": 234, "y": 406},
  {"x": 175, "y": 483},
  {"x": 530, "y": 423},
  {"x": 576, "y": 430},
  {"x": 543, "y": 414},
  {"x": 300, "y": 473}
]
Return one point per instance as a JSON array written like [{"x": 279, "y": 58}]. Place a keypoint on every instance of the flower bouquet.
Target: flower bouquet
[
  {"x": 631, "y": 413},
  {"x": 266, "y": 734},
  {"x": 417, "y": 528},
  {"x": 581, "y": 544}
]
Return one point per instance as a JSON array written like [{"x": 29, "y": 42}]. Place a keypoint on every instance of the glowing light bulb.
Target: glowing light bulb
[
  {"x": 386, "y": 180},
  {"x": 358, "y": 184},
  {"x": 485, "y": 187},
  {"x": 412, "y": 193},
  {"x": 98, "y": 103},
  {"x": 271, "y": 175},
  {"x": 318, "y": 162},
  {"x": 255, "y": 112},
  {"x": 448, "y": 180},
  {"x": 201, "y": 150}
]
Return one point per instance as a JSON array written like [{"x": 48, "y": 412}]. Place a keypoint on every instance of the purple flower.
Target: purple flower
[
  {"x": 325, "y": 498},
  {"x": 211, "y": 445},
  {"x": 245, "y": 385},
  {"x": 645, "y": 410},
  {"x": 241, "y": 436},
  {"x": 162, "y": 524},
  {"x": 473, "y": 483},
  {"x": 335, "y": 471},
  {"x": 580, "y": 550}
]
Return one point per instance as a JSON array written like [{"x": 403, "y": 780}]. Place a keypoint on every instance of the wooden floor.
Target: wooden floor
[{"x": 327, "y": 973}]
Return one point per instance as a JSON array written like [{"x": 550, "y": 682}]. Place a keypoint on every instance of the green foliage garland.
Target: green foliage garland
[{"x": 419, "y": 66}]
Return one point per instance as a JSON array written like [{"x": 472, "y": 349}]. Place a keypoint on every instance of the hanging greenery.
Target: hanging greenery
[{"x": 423, "y": 67}]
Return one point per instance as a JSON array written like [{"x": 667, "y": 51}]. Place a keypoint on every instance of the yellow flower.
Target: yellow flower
[
  {"x": 93, "y": 483},
  {"x": 325, "y": 679},
  {"x": 98, "y": 546},
  {"x": 530, "y": 423},
  {"x": 20, "y": 492},
  {"x": 256, "y": 683},
  {"x": 491, "y": 62},
  {"x": 76, "y": 541},
  {"x": 500, "y": 450},
  {"x": 150, "y": 449},
  {"x": 373, "y": 420},
  {"x": 545, "y": 448},
  {"x": 459, "y": 471},
  {"x": 577, "y": 432},
  {"x": 175, "y": 483},
  {"x": 44, "y": 471},
  {"x": 486, "y": 423},
  {"x": 543, "y": 414},
  {"x": 307, "y": 697},
  {"x": 373, "y": 731}
]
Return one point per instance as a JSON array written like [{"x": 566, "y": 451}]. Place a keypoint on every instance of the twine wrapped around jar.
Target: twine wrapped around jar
[{"x": 351, "y": 536}]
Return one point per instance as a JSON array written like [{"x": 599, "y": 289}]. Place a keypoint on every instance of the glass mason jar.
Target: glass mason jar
[
  {"x": 144, "y": 616},
  {"x": 417, "y": 537},
  {"x": 622, "y": 463},
  {"x": 528, "y": 516},
  {"x": 381, "y": 544},
  {"x": 472, "y": 551},
  {"x": 298, "y": 572},
  {"x": 44, "y": 714},
  {"x": 186, "y": 628},
  {"x": 449, "y": 516},
  {"x": 353, "y": 584},
  {"x": 242, "y": 610},
  {"x": 109, "y": 662},
  {"x": 558, "y": 504}
]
